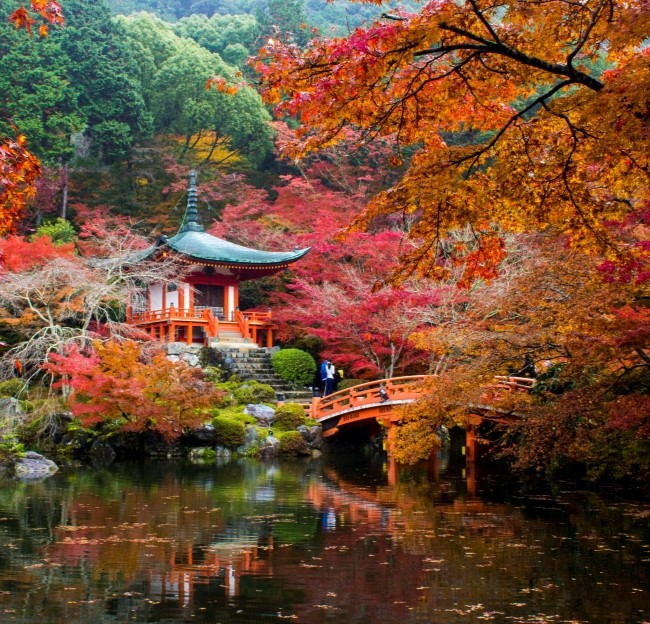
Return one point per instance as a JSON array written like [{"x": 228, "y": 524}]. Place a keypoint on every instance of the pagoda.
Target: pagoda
[{"x": 203, "y": 308}]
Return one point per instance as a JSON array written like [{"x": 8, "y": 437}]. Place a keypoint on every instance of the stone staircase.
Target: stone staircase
[
  {"x": 249, "y": 362},
  {"x": 231, "y": 337}
]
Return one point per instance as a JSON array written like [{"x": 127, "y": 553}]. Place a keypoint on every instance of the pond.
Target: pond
[{"x": 341, "y": 540}]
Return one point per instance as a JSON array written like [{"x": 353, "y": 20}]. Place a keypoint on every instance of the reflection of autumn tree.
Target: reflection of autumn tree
[
  {"x": 117, "y": 539},
  {"x": 118, "y": 532}
]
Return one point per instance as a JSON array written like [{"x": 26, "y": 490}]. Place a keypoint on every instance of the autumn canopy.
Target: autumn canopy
[{"x": 515, "y": 116}]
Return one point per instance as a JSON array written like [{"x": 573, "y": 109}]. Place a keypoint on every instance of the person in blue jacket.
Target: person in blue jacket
[{"x": 322, "y": 375}]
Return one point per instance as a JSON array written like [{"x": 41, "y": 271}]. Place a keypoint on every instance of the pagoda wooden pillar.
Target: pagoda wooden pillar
[{"x": 269, "y": 337}]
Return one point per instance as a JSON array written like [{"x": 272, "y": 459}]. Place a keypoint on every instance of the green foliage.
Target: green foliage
[
  {"x": 235, "y": 412},
  {"x": 292, "y": 444},
  {"x": 286, "y": 19},
  {"x": 308, "y": 342},
  {"x": 12, "y": 388},
  {"x": 344, "y": 384},
  {"x": 203, "y": 454},
  {"x": 10, "y": 450},
  {"x": 174, "y": 72},
  {"x": 215, "y": 374},
  {"x": 229, "y": 433},
  {"x": 233, "y": 37},
  {"x": 254, "y": 392},
  {"x": 294, "y": 366},
  {"x": 288, "y": 417},
  {"x": 60, "y": 232},
  {"x": 78, "y": 80},
  {"x": 26, "y": 406}
]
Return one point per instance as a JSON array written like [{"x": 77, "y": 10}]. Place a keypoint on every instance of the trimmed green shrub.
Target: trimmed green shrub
[
  {"x": 228, "y": 433},
  {"x": 254, "y": 392},
  {"x": 288, "y": 417},
  {"x": 292, "y": 443},
  {"x": 294, "y": 366},
  {"x": 12, "y": 388},
  {"x": 344, "y": 384}
]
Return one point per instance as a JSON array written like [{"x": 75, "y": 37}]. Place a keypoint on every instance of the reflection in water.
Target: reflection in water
[{"x": 315, "y": 542}]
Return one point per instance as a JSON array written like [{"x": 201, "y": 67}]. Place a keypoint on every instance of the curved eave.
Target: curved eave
[
  {"x": 202, "y": 248},
  {"x": 280, "y": 263}
]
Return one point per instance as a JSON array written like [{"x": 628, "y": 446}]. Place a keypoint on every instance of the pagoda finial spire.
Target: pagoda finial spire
[{"x": 191, "y": 222}]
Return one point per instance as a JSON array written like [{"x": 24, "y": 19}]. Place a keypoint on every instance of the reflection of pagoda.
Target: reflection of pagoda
[{"x": 204, "y": 307}]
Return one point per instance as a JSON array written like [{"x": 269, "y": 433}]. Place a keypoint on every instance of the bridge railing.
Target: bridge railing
[{"x": 397, "y": 388}]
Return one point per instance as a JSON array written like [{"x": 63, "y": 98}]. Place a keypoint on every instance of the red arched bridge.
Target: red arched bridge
[{"x": 363, "y": 404}]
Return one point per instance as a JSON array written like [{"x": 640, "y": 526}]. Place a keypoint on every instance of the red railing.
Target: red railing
[
  {"x": 514, "y": 383},
  {"x": 402, "y": 389},
  {"x": 212, "y": 330},
  {"x": 242, "y": 321},
  {"x": 171, "y": 313},
  {"x": 256, "y": 317}
]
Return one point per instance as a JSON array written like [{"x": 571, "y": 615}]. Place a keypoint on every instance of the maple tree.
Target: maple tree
[
  {"x": 526, "y": 115},
  {"x": 330, "y": 293},
  {"x": 19, "y": 168},
  {"x": 114, "y": 384},
  {"x": 52, "y": 296},
  {"x": 548, "y": 317}
]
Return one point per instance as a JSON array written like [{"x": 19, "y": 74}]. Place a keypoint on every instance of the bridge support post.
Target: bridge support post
[
  {"x": 313, "y": 410},
  {"x": 433, "y": 467},
  {"x": 470, "y": 460}
]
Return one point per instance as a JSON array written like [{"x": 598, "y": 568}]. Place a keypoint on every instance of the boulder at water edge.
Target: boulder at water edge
[{"x": 34, "y": 466}]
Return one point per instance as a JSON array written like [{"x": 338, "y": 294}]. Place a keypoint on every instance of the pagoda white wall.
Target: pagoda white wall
[
  {"x": 229, "y": 312},
  {"x": 155, "y": 296},
  {"x": 186, "y": 293},
  {"x": 172, "y": 298}
]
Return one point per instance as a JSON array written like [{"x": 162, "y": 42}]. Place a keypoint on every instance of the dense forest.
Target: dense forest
[{"x": 475, "y": 197}]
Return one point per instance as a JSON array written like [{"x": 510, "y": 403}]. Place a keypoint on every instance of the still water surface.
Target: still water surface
[{"x": 315, "y": 541}]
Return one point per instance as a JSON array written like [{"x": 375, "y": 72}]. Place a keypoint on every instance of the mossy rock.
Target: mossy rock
[
  {"x": 288, "y": 417},
  {"x": 254, "y": 392},
  {"x": 229, "y": 433},
  {"x": 12, "y": 388},
  {"x": 292, "y": 444}
]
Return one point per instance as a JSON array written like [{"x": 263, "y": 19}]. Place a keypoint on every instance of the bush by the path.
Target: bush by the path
[
  {"x": 294, "y": 366},
  {"x": 344, "y": 384}
]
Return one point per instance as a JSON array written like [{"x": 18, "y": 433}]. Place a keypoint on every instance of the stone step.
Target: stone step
[
  {"x": 234, "y": 346},
  {"x": 255, "y": 366}
]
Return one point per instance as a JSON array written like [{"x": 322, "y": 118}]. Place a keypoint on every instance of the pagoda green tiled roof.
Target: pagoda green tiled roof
[
  {"x": 195, "y": 243},
  {"x": 203, "y": 246}
]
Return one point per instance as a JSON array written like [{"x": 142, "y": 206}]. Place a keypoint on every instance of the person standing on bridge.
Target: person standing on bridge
[
  {"x": 383, "y": 395},
  {"x": 330, "y": 371},
  {"x": 323, "y": 376}
]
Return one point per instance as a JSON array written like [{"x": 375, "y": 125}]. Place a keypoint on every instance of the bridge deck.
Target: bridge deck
[{"x": 362, "y": 402}]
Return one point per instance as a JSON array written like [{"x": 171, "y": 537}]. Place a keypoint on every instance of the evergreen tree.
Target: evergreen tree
[{"x": 285, "y": 20}]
